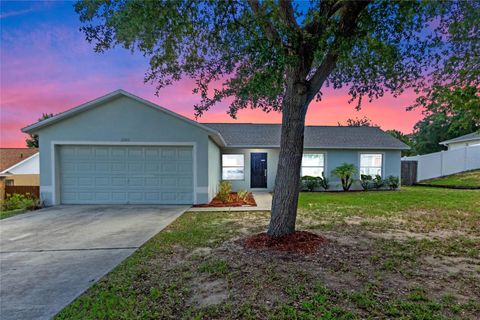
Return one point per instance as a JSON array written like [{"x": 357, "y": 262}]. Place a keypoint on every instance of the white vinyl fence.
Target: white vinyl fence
[{"x": 443, "y": 163}]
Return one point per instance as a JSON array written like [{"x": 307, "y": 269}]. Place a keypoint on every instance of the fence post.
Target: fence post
[
  {"x": 465, "y": 162},
  {"x": 441, "y": 163}
]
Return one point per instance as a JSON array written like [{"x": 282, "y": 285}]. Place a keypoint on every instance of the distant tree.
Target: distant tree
[
  {"x": 32, "y": 142},
  {"x": 405, "y": 138},
  {"x": 278, "y": 56},
  {"x": 437, "y": 127},
  {"x": 451, "y": 100},
  {"x": 358, "y": 122}
]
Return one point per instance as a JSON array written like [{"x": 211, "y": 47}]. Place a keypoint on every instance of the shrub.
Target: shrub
[
  {"x": 323, "y": 182},
  {"x": 224, "y": 190},
  {"x": 309, "y": 183},
  {"x": 242, "y": 194},
  {"x": 345, "y": 172},
  {"x": 20, "y": 201},
  {"x": 378, "y": 182},
  {"x": 393, "y": 182},
  {"x": 366, "y": 181}
]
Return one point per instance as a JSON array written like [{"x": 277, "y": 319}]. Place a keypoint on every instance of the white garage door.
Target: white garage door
[{"x": 122, "y": 175}]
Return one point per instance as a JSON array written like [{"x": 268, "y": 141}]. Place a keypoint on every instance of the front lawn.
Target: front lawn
[
  {"x": 464, "y": 179},
  {"x": 412, "y": 254}
]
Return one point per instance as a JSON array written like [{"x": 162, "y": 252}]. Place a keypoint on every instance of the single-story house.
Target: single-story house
[
  {"x": 18, "y": 167},
  {"x": 471, "y": 139},
  {"x": 121, "y": 148}
]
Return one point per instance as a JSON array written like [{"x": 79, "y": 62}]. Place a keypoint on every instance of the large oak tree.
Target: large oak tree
[{"x": 277, "y": 56}]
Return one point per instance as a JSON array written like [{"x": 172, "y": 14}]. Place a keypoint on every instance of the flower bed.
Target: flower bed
[{"x": 233, "y": 201}]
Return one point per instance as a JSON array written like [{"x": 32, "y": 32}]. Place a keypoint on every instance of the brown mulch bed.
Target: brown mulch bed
[
  {"x": 233, "y": 201},
  {"x": 302, "y": 242}
]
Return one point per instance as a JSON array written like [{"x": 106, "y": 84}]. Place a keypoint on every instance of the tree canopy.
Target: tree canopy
[{"x": 243, "y": 50}]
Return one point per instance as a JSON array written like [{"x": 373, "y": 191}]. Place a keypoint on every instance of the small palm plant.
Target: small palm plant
[{"x": 345, "y": 172}]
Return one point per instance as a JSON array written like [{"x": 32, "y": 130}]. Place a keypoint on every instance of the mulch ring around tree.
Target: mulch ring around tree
[
  {"x": 233, "y": 201},
  {"x": 302, "y": 242}
]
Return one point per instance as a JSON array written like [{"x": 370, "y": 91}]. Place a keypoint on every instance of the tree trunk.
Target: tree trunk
[{"x": 285, "y": 197}]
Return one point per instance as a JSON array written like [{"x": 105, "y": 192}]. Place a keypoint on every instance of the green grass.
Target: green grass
[
  {"x": 11, "y": 213},
  {"x": 464, "y": 179},
  {"x": 357, "y": 275}
]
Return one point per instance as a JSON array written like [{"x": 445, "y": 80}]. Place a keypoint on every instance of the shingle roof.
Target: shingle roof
[
  {"x": 325, "y": 137},
  {"x": 467, "y": 137},
  {"x": 11, "y": 156}
]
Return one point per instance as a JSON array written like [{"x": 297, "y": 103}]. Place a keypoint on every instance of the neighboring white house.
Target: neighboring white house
[{"x": 471, "y": 139}]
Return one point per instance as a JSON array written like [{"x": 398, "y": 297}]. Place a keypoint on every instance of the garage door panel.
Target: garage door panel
[{"x": 134, "y": 174}]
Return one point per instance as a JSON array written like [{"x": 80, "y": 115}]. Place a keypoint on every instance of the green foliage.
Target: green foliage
[
  {"x": 359, "y": 122},
  {"x": 366, "y": 181},
  {"x": 255, "y": 45},
  {"x": 345, "y": 172},
  {"x": 378, "y": 182},
  {"x": 405, "y": 138},
  {"x": 19, "y": 201},
  {"x": 32, "y": 142},
  {"x": 392, "y": 182},
  {"x": 323, "y": 182},
  {"x": 224, "y": 189},
  {"x": 309, "y": 183},
  {"x": 242, "y": 194}
]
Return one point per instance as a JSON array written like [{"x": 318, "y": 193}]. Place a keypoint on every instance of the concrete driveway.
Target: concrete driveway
[{"x": 49, "y": 257}]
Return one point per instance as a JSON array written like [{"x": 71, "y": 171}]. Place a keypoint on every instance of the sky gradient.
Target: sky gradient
[{"x": 47, "y": 66}]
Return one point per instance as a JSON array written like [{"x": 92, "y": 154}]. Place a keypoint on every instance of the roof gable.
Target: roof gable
[
  {"x": 11, "y": 156},
  {"x": 30, "y": 165},
  {"x": 112, "y": 96}
]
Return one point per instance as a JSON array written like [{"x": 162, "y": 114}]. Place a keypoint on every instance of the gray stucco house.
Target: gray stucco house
[{"x": 120, "y": 148}]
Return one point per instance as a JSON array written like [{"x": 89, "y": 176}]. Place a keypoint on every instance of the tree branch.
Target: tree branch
[
  {"x": 346, "y": 29},
  {"x": 270, "y": 32},
  {"x": 287, "y": 14}
]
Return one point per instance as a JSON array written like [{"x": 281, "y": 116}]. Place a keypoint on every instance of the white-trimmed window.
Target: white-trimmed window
[
  {"x": 371, "y": 164},
  {"x": 313, "y": 164},
  {"x": 233, "y": 167}
]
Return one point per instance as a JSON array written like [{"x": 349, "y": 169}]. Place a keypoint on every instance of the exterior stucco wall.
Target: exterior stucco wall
[
  {"x": 214, "y": 169},
  {"x": 122, "y": 121},
  {"x": 333, "y": 158},
  {"x": 458, "y": 145}
]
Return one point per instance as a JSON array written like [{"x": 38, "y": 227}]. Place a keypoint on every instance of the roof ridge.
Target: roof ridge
[{"x": 279, "y": 124}]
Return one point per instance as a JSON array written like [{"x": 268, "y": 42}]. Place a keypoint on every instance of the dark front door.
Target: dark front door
[{"x": 258, "y": 171}]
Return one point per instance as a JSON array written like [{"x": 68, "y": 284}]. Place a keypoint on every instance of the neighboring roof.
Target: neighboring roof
[
  {"x": 465, "y": 138},
  {"x": 10, "y": 170},
  {"x": 324, "y": 137},
  {"x": 111, "y": 96},
  {"x": 12, "y": 156}
]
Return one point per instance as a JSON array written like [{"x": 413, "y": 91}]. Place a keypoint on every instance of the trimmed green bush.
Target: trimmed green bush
[
  {"x": 392, "y": 182},
  {"x": 378, "y": 182},
  {"x": 366, "y": 181},
  {"x": 309, "y": 183}
]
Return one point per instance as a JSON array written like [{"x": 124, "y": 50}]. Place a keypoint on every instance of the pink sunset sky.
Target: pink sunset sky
[{"x": 48, "y": 67}]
